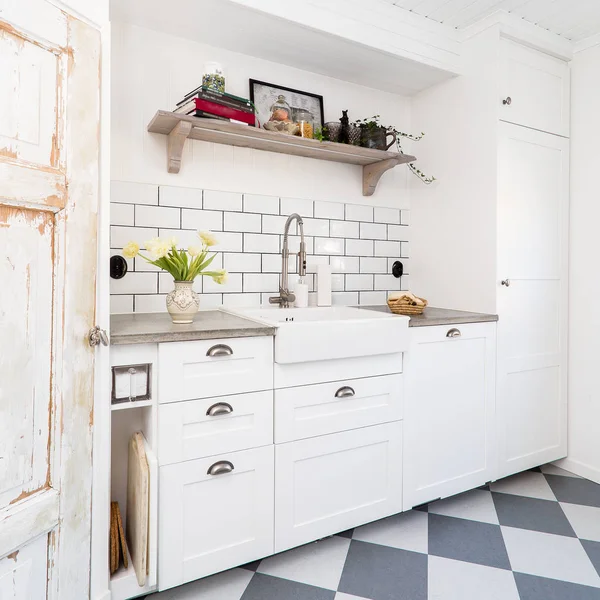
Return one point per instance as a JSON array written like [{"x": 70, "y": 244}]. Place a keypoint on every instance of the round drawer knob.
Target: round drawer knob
[{"x": 507, "y": 101}]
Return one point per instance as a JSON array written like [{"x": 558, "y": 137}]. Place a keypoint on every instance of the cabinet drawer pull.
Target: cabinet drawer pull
[
  {"x": 220, "y": 468},
  {"x": 220, "y": 408},
  {"x": 219, "y": 350},
  {"x": 345, "y": 392},
  {"x": 507, "y": 101},
  {"x": 454, "y": 333}
]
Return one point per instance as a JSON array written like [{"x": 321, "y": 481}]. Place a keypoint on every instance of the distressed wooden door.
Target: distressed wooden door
[{"x": 49, "y": 122}]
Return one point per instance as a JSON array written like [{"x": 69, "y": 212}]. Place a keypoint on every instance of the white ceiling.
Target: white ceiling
[{"x": 572, "y": 19}]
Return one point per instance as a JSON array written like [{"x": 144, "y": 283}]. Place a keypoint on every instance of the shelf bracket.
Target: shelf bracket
[
  {"x": 175, "y": 143},
  {"x": 372, "y": 174}
]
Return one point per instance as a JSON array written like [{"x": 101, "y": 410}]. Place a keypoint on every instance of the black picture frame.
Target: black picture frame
[{"x": 262, "y": 110}]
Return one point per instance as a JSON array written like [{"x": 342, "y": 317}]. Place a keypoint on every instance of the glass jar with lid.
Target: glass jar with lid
[
  {"x": 306, "y": 123},
  {"x": 281, "y": 111}
]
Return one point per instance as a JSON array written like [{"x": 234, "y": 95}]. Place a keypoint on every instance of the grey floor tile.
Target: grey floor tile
[
  {"x": 538, "y": 588},
  {"x": 532, "y": 514},
  {"x": 575, "y": 491},
  {"x": 265, "y": 587},
  {"x": 346, "y": 534},
  {"x": 382, "y": 573},
  {"x": 471, "y": 541},
  {"x": 593, "y": 551},
  {"x": 251, "y": 566}
]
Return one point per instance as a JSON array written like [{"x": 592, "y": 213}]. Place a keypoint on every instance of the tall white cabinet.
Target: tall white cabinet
[{"x": 492, "y": 234}]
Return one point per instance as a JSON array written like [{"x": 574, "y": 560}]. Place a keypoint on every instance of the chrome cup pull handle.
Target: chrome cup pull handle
[
  {"x": 454, "y": 333},
  {"x": 219, "y": 350},
  {"x": 345, "y": 392},
  {"x": 220, "y": 408},
  {"x": 220, "y": 468}
]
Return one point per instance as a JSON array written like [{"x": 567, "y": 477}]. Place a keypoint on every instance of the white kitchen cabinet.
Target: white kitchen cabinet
[
  {"x": 198, "y": 428},
  {"x": 313, "y": 410},
  {"x": 208, "y": 368},
  {"x": 449, "y": 435},
  {"x": 215, "y": 513},
  {"x": 331, "y": 483},
  {"x": 533, "y": 220},
  {"x": 534, "y": 88}
]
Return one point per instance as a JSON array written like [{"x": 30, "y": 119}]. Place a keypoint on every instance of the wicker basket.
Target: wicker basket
[{"x": 404, "y": 306}]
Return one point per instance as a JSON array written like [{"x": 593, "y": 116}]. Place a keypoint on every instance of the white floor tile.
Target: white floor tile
[
  {"x": 340, "y": 596},
  {"x": 407, "y": 531},
  {"x": 551, "y": 469},
  {"x": 529, "y": 483},
  {"x": 476, "y": 505},
  {"x": 318, "y": 564},
  {"x": 585, "y": 520},
  {"x": 547, "y": 555},
  {"x": 458, "y": 580},
  {"x": 229, "y": 585}
]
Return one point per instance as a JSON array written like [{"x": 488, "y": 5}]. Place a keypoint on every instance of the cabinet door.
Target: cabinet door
[
  {"x": 538, "y": 86},
  {"x": 533, "y": 220},
  {"x": 449, "y": 444},
  {"x": 332, "y": 483},
  {"x": 212, "y": 522}
]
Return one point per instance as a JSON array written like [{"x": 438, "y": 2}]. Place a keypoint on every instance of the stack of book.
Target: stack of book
[{"x": 208, "y": 103}]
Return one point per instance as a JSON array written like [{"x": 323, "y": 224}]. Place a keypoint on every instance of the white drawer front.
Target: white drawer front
[
  {"x": 199, "y": 428},
  {"x": 313, "y": 410},
  {"x": 210, "y": 368},
  {"x": 332, "y": 483},
  {"x": 209, "y": 523}
]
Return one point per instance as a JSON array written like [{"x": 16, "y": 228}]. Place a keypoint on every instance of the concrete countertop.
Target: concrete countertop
[
  {"x": 440, "y": 316},
  {"x": 151, "y": 328}
]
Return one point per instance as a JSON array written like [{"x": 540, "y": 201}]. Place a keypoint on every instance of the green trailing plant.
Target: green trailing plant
[
  {"x": 321, "y": 134},
  {"x": 373, "y": 123}
]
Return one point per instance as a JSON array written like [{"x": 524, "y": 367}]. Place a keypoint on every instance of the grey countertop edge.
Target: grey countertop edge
[
  {"x": 433, "y": 316},
  {"x": 190, "y": 336}
]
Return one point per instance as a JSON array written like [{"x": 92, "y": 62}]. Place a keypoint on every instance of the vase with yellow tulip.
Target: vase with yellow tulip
[{"x": 184, "y": 265}]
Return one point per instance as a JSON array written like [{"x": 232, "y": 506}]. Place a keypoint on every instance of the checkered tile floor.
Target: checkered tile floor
[{"x": 533, "y": 536}]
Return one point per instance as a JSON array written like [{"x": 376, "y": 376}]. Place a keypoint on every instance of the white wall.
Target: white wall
[
  {"x": 453, "y": 259},
  {"x": 153, "y": 71},
  {"x": 584, "y": 318}
]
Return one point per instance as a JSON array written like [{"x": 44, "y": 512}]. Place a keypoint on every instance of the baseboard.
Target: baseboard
[
  {"x": 579, "y": 468},
  {"x": 104, "y": 596}
]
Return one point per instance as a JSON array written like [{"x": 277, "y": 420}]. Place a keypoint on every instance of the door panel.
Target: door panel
[
  {"x": 20, "y": 575},
  {"x": 532, "y": 331}
]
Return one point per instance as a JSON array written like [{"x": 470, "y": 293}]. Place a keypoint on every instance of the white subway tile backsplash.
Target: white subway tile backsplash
[
  {"x": 387, "y": 249},
  {"x": 260, "y": 282},
  {"x": 372, "y": 298},
  {"x": 242, "y": 263},
  {"x": 373, "y": 231},
  {"x": 359, "y": 282},
  {"x": 179, "y": 196},
  {"x": 358, "y": 212},
  {"x": 202, "y": 220},
  {"x": 242, "y": 222},
  {"x": 157, "y": 216},
  {"x": 359, "y": 248},
  {"x": 233, "y": 284},
  {"x": 120, "y": 236},
  {"x": 360, "y": 242},
  {"x": 405, "y": 217},
  {"x": 344, "y": 229},
  {"x": 387, "y": 215},
  {"x": 151, "y": 303},
  {"x": 121, "y": 214},
  {"x": 373, "y": 265},
  {"x": 261, "y": 242},
  {"x": 344, "y": 264},
  {"x": 316, "y": 227},
  {"x": 135, "y": 283},
  {"x": 121, "y": 304},
  {"x": 296, "y": 205},
  {"x": 329, "y": 246},
  {"x": 329, "y": 210},
  {"x": 261, "y": 204},
  {"x": 216, "y": 200},
  {"x": 129, "y": 192},
  {"x": 344, "y": 298}
]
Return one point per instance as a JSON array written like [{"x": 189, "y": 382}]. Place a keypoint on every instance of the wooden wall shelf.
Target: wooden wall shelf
[{"x": 179, "y": 128}]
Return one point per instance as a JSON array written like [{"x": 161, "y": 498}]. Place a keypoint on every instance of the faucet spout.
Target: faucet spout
[{"x": 285, "y": 296}]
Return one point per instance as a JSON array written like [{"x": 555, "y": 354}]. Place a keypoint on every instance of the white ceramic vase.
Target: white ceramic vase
[{"x": 183, "y": 302}]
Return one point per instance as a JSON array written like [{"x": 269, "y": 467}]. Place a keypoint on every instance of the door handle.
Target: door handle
[
  {"x": 220, "y": 408},
  {"x": 219, "y": 350},
  {"x": 505, "y": 282},
  {"x": 345, "y": 392},
  {"x": 454, "y": 333},
  {"x": 220, "y": 468},
  {"x": 97, "y": 336}
]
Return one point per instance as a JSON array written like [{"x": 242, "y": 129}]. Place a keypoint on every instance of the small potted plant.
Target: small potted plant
[{"x": 184, "y": 266}]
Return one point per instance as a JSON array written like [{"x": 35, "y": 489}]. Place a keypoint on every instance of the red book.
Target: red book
[{"x": 224, "y": 111}]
